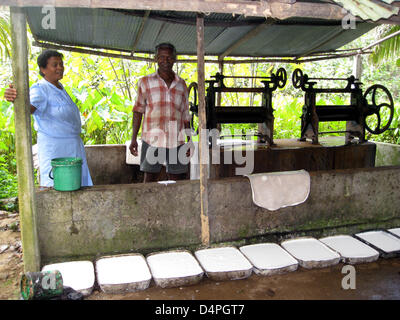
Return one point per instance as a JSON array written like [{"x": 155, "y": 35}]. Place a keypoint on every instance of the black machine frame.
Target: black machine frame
[
  {"x": 361, "y": 106},
  {"x": 240, "y": 114}
]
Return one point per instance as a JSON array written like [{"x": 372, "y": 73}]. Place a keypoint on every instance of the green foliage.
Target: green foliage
[
  {"x": 8, "y": 178},
  {"x": 104, "y": 90},
  {"x": 393, "y": 134},
  {"x": 5, "y": 36},
  {"x": 7, "y": 137},
  {"x": 389, "y": 49},
  {"x": 8, "y": 181},
  {"x": 14, "y": 226}
]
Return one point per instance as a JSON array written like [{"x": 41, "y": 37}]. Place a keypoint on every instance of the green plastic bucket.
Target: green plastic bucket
[{"x": 67, "y": 173}]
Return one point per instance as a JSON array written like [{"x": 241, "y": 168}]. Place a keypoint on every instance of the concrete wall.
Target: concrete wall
[
  {"x": 107, "y": 165},
  {"x": 117, "y": 218},
  {"x": 339, "y": 201},
  {"x": 387, "y": 154},
  {"x": 148, "y": 217}
]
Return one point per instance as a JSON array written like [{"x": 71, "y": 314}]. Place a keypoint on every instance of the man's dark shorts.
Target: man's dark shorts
[{"x": 174, "y": 159}]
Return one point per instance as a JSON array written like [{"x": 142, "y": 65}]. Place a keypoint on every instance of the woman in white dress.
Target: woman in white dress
[{"x": 57, "y": 118}]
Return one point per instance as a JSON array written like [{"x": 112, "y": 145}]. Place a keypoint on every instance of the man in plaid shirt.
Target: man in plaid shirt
[{"x": 162, "y": 102}]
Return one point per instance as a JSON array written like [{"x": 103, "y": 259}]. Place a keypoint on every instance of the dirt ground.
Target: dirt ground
[
  {"x": 11, "y": 263},
  {"x": 378, "y": 280}
]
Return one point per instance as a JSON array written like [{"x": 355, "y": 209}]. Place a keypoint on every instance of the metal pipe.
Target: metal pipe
[
  {"x": 261, "y": 89},
  {"x": 137, "y": 58},
  {"x": 381, "y": 40},
  {"x": 245, "y": 77}
]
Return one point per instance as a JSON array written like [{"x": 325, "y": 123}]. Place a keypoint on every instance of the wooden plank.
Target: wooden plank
[
  {"x": 203, "y": 143},
  {"x": 275, "y": 9},
  {"x": 23, "y": 142},
  {"x": 109, "y": 54},
  {"x": 90, "y": 51}
]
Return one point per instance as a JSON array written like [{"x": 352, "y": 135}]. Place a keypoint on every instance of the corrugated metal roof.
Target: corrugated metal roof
[
  {"x": 118, "y": 29},
  {"x": 280, "y": 42},
  {"x": 370, "y": 9}
]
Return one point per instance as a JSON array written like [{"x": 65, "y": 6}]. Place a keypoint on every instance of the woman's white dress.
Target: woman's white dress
[{"x": 58, "y": 126}]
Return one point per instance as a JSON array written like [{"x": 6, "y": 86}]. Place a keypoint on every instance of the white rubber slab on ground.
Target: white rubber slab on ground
[
  {"x": 269, "y": 258},
  {"x": 226, "y": 263},
  {"x": 311, "y": 253},
  {"x": 382, "y": 240},
  {"x": 174, "y": 268},
  {"x": 395, "y": 231},
  {"x": 123, "y": 273},
  {"x": 352, "y": 250},
  {"x": 79, "y": 275}
]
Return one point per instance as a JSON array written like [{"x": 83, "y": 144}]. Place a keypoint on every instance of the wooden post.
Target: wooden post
[
  {"x": 219, "y": 94},
  {"x": 203, "y": 142},
  {"x": 357, "y": 66},
  {"x": 23, "y": 142}
]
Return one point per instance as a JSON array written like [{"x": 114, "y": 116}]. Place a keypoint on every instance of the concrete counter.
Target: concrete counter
[{"x": 107, "y": 163}]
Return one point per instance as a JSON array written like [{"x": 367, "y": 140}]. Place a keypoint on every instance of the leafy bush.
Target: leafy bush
[
  {"x": 8, "y": 181},
  {"x": 391, "y": 135}
]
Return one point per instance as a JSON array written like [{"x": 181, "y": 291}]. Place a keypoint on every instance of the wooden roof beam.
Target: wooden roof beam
[{"x": 271, "y": 8}]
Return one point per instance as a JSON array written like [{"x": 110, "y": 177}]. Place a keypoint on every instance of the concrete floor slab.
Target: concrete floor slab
[
  {"x": 269, "y": 258},
  {"x": 123, "y": 273},
  {"x": 352, "y": 250},
  {"x": 174, "y": 268},
  {"x": 79, "y": 275},
  {"x": 382, "y": 240},
  {"x": 224, "y": 263},
  {"x": 311, "y": 253}
]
